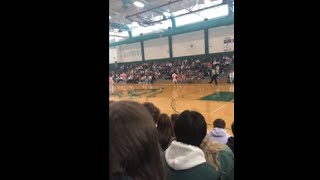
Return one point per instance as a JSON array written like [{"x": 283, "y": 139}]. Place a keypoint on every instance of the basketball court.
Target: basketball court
[{"x": 210, "y": 100}]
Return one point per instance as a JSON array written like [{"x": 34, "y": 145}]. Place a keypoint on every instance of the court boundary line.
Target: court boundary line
[{"x": 219, "y": 108}]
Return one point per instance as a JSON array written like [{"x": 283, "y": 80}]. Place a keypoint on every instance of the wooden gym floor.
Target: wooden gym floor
[{"x": 172, "y": 98}]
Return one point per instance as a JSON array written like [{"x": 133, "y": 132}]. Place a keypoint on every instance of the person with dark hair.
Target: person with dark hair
[
  {"x": 230, "y": 142},
  {"x": 184, "y": 159},
  {"x": 153, "y": 110},
  {"x": 218, "y": 132},
  {"x": 165, "y": 131},
  {"x": 174, "y": 117},
  {"x": 134, "y": 151}
]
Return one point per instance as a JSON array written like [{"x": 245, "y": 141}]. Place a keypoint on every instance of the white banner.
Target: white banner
[{"x": 228, "y": 44}]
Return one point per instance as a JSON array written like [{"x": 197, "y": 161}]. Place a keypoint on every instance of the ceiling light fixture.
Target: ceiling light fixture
[
  {"x": 166, "y": 14},
  {"x": 138, "y": 4}
]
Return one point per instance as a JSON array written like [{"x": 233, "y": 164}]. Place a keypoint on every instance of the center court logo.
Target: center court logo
[{"x": 138, "y": 93}]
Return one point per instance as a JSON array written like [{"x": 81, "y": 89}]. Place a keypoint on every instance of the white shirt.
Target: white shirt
[{"x": 231, "y": 74}]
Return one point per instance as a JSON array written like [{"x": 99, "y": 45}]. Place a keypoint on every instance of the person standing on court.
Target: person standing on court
[
  {"x": 174, "y": 78},
  {"x": 209, "y": 67},
  {"x": 231, "y": 76},
  {"x": 214, "y": 76},
  {"x": 123, "y": 76},
  {"x": 110, "y": 84}
]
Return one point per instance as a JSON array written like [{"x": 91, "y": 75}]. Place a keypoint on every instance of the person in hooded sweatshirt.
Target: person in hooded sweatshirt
[
  {"x": 218, "y": 132},
  {"x": 184, "y": 160}
]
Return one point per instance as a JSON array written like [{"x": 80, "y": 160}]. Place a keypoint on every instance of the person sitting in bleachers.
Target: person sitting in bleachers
[
  {"x": 165, "y": 131},
  {"x": 218, "y": 132},
  {"x": 220, "y": 157},
  {"x": 130, "y": 79},
  {"x": 184, "y": 159},
  {"x": 230, "y": 142},
  {"x": 143, "y": 79},
  {"x": 173, "y": 118},
  {"x": 153, "y": 110},
  {"x": 134, "y": 151}
]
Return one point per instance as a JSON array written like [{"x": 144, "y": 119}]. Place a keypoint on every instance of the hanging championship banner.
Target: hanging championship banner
[{"x": 228, "y": 44}]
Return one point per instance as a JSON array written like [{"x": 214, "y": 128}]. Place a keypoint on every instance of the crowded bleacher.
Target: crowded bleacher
[{"x": 188, "y": 70}]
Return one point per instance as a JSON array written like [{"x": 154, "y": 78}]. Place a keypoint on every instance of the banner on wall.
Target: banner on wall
[
  {"x": 228, "y": 44},
  {"x": 113, "y": 55},
  {"x": 130, "y": 53}
]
